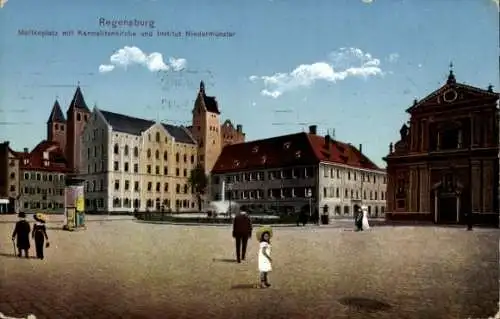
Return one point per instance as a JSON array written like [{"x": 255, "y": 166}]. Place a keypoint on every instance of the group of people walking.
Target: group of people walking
[{"x": 22, "y": 232}]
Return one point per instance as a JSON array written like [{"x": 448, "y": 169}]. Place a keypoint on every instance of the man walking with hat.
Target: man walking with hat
[
  {"x": 242, "y": 230},
  {"x": 22, "y": 234}
]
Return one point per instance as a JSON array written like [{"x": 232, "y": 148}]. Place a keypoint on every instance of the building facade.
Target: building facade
[
  {"x": 290, "y": 173},
  {"x": 136, "y": 164},
  {"x": 445, "y": 166},
  {"x": 43, "y": 173},
  {"x": 9, "y": 181}
]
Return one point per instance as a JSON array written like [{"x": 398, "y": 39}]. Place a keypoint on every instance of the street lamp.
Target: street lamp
[
  {"x": 309, "y": 196},
  {"x": 229, "y": 188}
]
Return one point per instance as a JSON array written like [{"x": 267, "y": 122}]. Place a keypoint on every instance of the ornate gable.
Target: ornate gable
[{"x": 452, "y": 93}]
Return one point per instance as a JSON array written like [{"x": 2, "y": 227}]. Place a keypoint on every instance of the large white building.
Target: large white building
[
  {"x": 135, "y": 164},
  {"x": 287, "y": 173}
]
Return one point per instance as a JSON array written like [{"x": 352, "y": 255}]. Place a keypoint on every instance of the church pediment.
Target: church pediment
[{"x": 450, "y": 94}]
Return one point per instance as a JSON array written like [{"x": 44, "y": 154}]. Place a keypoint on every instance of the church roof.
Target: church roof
[
  {"x": 78, "y": 101},
  {"x": 56, "y": 115},
  {"x": 135, "y": 126}
]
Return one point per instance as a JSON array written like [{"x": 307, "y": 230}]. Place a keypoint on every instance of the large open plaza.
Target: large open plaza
[{"x": 121, "y": 268}]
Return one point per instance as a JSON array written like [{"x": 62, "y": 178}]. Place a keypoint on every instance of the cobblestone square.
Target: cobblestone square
[{"x": 125, "y": 269}]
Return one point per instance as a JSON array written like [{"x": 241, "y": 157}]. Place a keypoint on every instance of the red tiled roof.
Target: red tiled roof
[
  {"x": 288, "y": 150},
  {"x": 339, "y": 152},
  {"x": 57, "y": 161}
]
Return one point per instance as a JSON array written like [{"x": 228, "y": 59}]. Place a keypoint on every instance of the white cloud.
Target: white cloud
[
  {"x": 154, "y": 62},
  {"x": 104, "y": 68},
  {"x": 344, "y": 63},
  {"x": 254, "y": 104},
  {"x": 367, "y": 1},
  {"x": 393, "y": 57}
]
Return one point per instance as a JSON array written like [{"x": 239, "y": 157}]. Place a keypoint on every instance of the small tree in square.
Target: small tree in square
[{"x": 198, "y": 182}]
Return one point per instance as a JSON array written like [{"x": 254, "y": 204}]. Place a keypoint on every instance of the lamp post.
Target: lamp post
[
  {"x": 229, "y": 188},
  {"x": 309, "y": 196}
]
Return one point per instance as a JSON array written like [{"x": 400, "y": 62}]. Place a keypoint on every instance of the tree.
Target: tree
[{"x": 198, "y": 181}]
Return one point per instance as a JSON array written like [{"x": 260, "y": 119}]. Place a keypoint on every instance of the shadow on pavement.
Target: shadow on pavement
[
  {"x": 244, "y": 286},
  {"x": 6, "y": 255},
  {"x": 224, "y": 260},
  {"x": 365, "y": 304}
]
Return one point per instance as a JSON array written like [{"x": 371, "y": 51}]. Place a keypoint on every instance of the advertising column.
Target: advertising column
[{"x": 74, "y": 204}]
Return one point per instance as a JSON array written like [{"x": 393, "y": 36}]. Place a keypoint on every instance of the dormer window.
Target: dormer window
[
  {"x": 26, "y": 161},
  {"x": 45, "y": 155},
  {"x": 236, "y": 163},
  {"x": 264, "y": 159},
  {"x": 297, "y": 154},
  {"x": 45, "y": 163},
  {"x": 287, "y": 145},
  {"x": 255, "y": 149}
]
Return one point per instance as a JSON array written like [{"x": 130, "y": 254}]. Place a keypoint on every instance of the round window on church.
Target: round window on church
[{"x": 450, "y": 96}]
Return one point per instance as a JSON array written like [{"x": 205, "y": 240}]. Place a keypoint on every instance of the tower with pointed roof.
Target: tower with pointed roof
[
  {"x": 56, "y": 126},
  {"x": 77, "y": 116},
  {"x": 206, "y": 128}
]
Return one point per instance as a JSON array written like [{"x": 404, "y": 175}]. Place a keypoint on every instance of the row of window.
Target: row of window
[
  {"x": 126, "y": 168},
  {"x": 42, "y": 191},
  {"x": 157, "y": 204},
  {"x": 332, "y": 192},
  {"x": 116, "y": 151},
  {"x": 42, "y": 205},
  {"x": 373, "y": 211},
  {"x": 365, "y": 177},
  {"x": 41, "y": 176},
  {"x": 292, "y": 173},
  {"x": 273, "y": 193},
  {"x": 178, "y": 187}
]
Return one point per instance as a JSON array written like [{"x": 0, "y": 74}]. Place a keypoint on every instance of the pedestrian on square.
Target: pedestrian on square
[
  {"x": 264, "y": 235},
  {"x": 242, "y": 230},
  {"x": 358, "y": 218},
  {"x": 40, "y": 235},
  {"x": 22, "y": 234}
]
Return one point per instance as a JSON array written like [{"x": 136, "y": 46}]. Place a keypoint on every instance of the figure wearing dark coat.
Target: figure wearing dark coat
[
  {"x": 22, "y": 234},
  {"x": 40, "y": 235},
  {"x": 242, "y": 230}
]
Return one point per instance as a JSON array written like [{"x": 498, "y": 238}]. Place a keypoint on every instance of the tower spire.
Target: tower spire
[{"x": 451, "y": 76}]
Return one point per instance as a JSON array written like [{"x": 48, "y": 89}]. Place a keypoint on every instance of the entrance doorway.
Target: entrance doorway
[{"x": 447, "y": 209}]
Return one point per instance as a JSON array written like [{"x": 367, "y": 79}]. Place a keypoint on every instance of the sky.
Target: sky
[{"x": 351, "y": 67}]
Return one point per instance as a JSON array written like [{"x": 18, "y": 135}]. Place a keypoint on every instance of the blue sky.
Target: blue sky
[{"x": 394, "y": 51}]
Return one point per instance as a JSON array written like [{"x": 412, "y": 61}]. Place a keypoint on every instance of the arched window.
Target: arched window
[
  {"x": 157, "y": 137},
  {"x": 116, "y": 149},
  {"x": 192, "y": 159},
  {"x": 337, "y": 210},
  {"x": 78, "y": 117},
  {"x": 185, "y": 189},
  {"x": 125, "y": 151},
  {"x": 165, "y": 155},
  {"x": 346, "y": 210},
  {"x": 149, "y": 153},
  {"x": 185, "y": 158},
  {"x": 177, "y": 157},
  {"x": 157, "y": 154},
  {"x": 136, "y": 152}
]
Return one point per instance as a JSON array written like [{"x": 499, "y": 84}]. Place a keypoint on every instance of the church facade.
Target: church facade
[{"x": 445, "y": 165}]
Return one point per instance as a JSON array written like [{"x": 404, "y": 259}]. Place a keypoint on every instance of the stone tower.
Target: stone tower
[
  {"x": 206, "y": 128},
  {"x": 56, "y": 126},
  {"x": 77, "y": 116}
]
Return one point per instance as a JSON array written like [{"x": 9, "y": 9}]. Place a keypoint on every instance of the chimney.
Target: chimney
[
  {"x": 361, "y": 148},
  {"x": 239, "y": 128},
  {"x": 328, "y": 140},
  {"x": 25, "y": 150},
  {"x": 313, "y": 129}
]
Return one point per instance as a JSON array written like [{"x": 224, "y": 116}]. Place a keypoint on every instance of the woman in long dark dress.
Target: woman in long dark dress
[
  {"x": 40, "y": 235},
  {"x": 22, "y": 234}
]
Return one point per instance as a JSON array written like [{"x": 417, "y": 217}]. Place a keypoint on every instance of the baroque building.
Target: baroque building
[
  {"x": 445, "y": 164},
  {"x": 136, "y": 164},
  {"x": 303, "y": 171}
]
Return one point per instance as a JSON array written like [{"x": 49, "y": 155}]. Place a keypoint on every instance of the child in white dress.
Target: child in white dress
[{"x": 265, "y": 259}]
